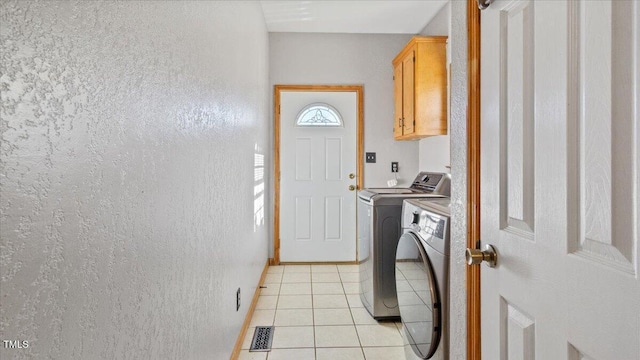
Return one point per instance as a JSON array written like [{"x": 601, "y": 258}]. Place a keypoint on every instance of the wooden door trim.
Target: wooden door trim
[
  {"x": 473, "y": 179},
  {"x": 359, "y": 90}
]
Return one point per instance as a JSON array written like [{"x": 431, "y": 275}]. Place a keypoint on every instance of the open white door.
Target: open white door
[
  {"x": 560, "y": 180},
  {"x": 318, "y": 176}
]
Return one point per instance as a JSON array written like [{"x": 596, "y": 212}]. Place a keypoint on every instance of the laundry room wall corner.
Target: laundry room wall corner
[{"x": 459, "y": 168}]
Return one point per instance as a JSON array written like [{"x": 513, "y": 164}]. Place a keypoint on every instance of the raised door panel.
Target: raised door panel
[
  {"x": 397, "y": 91},
  {"x": 431, "y": 88},
  {"x": 517, "y": 333},
  {"x": 408, "y": 93},
  {"x": 603, "y": 178},
  {"x": 517, "y": 125},
  {"x": 333, "y": 215},
  {"x": 603, "y": 117},
  {"x": 303, "y": 218},
  {"x": 303, "y": 159}
]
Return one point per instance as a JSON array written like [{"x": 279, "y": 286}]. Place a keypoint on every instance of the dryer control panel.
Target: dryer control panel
[{"x": 430, "y": 225}]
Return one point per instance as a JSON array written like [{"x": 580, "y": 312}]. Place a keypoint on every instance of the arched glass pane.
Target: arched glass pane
[{"x": 319, "y": 114}]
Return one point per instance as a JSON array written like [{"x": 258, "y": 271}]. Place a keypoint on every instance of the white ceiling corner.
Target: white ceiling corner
[{"x": 348, "y": 16}]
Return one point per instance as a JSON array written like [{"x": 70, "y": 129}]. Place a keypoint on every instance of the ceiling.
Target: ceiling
[{"x": 372, "y": 17}]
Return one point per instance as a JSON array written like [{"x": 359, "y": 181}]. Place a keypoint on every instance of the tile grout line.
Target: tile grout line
[
  {"x": 313, "y": 316},
  {"x": 353, "y": 319},
  {"x": 273, "y": 322}
]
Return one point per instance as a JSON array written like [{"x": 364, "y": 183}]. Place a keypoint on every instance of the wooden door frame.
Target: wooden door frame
[
  {"x": 473, "y": 178},
  {"x": 359, "y": 90}
]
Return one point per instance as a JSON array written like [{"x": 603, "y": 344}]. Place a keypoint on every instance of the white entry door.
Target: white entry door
[
  {"x": 560, "y": 180},
  {"x": 318, "y": 167}
]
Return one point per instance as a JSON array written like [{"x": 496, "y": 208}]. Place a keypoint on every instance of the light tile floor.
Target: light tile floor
[{"x": 317, "y": 314}]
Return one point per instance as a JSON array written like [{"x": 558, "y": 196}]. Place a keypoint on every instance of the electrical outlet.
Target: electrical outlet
[
  {"x": 371, "y": 157},
  {"x": 238, "y": 299},
  {"x": 394, "y": 167}
]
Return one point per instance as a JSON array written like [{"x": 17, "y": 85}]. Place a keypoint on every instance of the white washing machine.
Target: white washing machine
[{"x": 422, "y": 278}]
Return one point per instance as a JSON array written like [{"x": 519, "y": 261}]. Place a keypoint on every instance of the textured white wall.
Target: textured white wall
[
  {"x": 127, "y": 173},
  {"x": 459, "y": 168},
  {"x": 435, "y": 150}
]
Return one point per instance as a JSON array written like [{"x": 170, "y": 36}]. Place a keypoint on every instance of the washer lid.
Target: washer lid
[
  {"x": 418, "y": 298},
  {"x": 426, "y": 183},
  {"x": 368, "y": 193},
  {"x": 393, "y": 190}
]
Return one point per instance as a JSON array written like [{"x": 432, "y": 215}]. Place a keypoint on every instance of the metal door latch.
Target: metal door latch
[{"x": 476, "y": 256}]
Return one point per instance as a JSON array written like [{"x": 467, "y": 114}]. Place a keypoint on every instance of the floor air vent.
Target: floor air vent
[{"x": 262, "y": 338}]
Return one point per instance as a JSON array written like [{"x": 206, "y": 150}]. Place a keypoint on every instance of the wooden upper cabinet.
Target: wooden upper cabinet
[
  {"x": 420, "y": 88},
  {"x": 397, "y": 90}
]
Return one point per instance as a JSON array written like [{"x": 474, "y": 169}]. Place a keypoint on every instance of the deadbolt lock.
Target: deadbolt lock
[
  {"x": 352, "y": 175},
  {"x": 352, "y": 187}
]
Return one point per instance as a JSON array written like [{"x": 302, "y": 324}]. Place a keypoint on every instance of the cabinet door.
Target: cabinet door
[
  {"x": 397, "y": 90},
  {"x": 408, "y": 94}
]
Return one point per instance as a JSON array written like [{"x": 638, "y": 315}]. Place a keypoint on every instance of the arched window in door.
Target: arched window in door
[{"x": 319, "y": 114}]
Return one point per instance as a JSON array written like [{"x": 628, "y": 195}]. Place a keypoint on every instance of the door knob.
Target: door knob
[
  {"x": 352, "y": 187},
  {"x": 352, "y": 175},
  {"x": 476, "y": 256}
]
